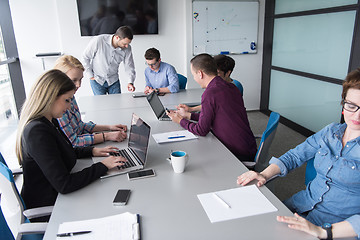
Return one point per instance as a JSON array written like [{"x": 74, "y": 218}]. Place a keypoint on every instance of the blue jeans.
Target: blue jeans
[{"x": 105, "y": 88}]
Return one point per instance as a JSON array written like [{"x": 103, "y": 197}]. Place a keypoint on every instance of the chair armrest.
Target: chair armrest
[
  {"x": 249, "y": 165},
  {"x": 272, "y": 178},
  {"x": 32, "y": 228},
  {"x": 38, "y": 212},
  {"x": 17, "y": 171},
  {"x": 258, "y": 135}
]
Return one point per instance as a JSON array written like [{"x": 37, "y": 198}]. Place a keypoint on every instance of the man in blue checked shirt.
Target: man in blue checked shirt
[{"x": 159, "y": 76}]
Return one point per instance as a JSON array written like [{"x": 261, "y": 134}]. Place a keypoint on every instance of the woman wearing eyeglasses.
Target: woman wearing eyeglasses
[{"x": 329, "y": 207}]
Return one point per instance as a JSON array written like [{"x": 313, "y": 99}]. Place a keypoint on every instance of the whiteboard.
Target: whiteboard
[{"x": 225, "y": 27}]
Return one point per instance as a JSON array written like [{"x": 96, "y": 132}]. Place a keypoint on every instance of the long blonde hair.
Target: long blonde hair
[
  {"x": 67, "y": 62},
  {"x": 43, "y": 94}
]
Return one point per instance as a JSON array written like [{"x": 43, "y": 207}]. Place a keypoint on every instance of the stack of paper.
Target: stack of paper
[
  {"x": 121, "y": 226},
  {"x": 175, "y": 136},
  {"x": 235, "y": 203}
]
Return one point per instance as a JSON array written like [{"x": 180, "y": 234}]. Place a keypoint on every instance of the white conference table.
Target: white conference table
[
  {"x": 168, "y": 203},
  {"x": 125, "y": 100}
]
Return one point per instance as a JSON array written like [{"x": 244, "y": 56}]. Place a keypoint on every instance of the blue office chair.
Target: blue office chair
[
  {"x": 239, "y": 86},
  {"x": 5, "y": 231},
  {"x": 27, "y": 230},
  {"x": 13, "y": 209},
  {"x": 262, "y": 155},
  {"x": 310, "y": 172},
  {"x": 16, "y": 171},
  {"x": 182, "y": 81}
]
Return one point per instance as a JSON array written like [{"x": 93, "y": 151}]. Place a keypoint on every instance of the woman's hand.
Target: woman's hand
[
  {"x": 247, "y": 177},
  {"x": 118, "y": 127},
  {"x": 299, "y": 223},
  {"x": 117, "y": 136},
  {"x": 103, "y": 152},
  {"x": 112, "y": 161}
]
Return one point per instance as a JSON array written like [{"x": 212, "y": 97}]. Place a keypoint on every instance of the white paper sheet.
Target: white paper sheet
[
  {"x": 243, "y": 201},
  {"x": 164, "y": 137},
  {"x": 121, "y": 226}
]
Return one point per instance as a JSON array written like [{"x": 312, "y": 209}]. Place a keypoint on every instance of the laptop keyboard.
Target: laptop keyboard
[{"x": 124, "y": 153}]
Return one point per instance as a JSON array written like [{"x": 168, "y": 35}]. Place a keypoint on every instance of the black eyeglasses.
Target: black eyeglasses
[
  {"x": 350, "y": 106},
  {"x": 152, "y": 64}
]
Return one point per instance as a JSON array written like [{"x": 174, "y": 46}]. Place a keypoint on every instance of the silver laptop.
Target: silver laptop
[
  {"x": 157, "y": 107},
  {"x": 139, "y": 94},
  {"x": 136, "y": 152}
]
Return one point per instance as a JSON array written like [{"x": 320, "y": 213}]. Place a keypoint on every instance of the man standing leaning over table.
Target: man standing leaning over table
[
  {"x": 159, "y": 76},
  {"x": 102, "y": 58},
  {"x": 222, "y": 111}
]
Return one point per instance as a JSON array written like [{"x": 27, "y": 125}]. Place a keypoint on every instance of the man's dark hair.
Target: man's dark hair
[
  {"x": 152, "y": 53},
  {"x": 124, "y": 32},
  {"x": 224, "y": 63},
  {"x": 205, "y": 63}
]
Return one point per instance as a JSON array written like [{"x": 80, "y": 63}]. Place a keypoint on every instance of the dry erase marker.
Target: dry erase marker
[
  {"x": 173, "y": 137},
  {"x": 221, "y": 200},
  {"x": 69, "y": 234}
]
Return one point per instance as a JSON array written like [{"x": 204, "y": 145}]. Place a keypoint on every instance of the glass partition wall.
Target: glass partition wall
[{"x": 309, "y": 48}]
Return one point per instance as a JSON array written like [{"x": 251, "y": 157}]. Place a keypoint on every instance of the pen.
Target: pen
[
  {"x": 173, "y": 137},
  {"x": 221, "y": 200},
  {"x": 69, "y": 234}
]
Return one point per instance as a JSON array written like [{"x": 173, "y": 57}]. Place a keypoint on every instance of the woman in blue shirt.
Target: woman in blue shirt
[{"x": 332, "y": 199}]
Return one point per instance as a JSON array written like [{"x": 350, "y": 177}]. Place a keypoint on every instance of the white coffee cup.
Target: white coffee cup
[{"x": 179, "y": 160}]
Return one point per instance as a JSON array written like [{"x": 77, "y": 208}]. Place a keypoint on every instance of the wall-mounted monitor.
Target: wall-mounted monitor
[{"x": 105, "y": 16}]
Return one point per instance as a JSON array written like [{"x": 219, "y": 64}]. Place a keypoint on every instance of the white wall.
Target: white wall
[{"x": 53, "y": 26}]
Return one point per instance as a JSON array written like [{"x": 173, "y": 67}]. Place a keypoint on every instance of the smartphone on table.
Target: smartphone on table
[
  {"x": 121, "y": 198},
  {"x": 141, "y": 174}
]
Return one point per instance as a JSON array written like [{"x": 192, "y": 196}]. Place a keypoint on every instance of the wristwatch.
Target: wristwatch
[
  {"x": 157, "y": 90},
  {"x": 328, "y": 228}
]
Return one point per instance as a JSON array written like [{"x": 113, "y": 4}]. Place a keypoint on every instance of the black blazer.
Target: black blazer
[{"x": 48, "y": 158}]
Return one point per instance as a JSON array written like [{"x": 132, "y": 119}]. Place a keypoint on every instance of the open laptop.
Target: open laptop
[
  {"x": 139, "y": 94},
  {"x": 157, "y": 107},
  {"x": 136, "y": 152}
]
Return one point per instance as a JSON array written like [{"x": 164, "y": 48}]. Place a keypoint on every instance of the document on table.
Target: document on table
[
  {"x": 235, "y": 203},
  {"x": 121, "y": 226},
  {"x": 175, "y": 136}
]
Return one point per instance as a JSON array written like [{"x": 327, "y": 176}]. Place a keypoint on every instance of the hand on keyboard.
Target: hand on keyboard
[{"x": 112, "y": 162}]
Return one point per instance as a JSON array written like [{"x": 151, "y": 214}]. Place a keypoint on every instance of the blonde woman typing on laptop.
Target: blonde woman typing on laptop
[
  {"x": 45, "y": 152},
  {"x": 83, "y": 133},
  {"x": 329, "y": 207}
]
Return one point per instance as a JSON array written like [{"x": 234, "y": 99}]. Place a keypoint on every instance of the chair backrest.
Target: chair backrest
[
  {"x": 239, "y": 86},
  {"x": 11, "y": 201},
  {"x": 5, "y": 231},
  {"x": 2, "y": 160},
  {"x": 310, "y": 172},
  {"x": 182, "y": 81},
  {"x": 262, "y": 155}
]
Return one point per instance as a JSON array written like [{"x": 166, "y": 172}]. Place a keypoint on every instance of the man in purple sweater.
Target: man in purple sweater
[{"x": 222, "y": 111}]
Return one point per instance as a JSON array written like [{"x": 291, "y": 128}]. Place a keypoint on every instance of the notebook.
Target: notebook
[
  {"x": 157, "y": 107},
  {"x": 121, "y": 226},
  {"x": 136, "y": 152}
]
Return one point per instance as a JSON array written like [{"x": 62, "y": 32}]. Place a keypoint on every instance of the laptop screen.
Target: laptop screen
[
  {"x": 139, "y": 137},
  {"x": 156, "y": 104}
]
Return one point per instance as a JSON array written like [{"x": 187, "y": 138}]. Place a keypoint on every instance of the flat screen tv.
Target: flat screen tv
[{"x": 105, "y": 16}]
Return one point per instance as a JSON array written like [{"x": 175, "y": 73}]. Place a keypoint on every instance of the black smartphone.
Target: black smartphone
[
  {"x": 121, "y": 198},
  {"x": 141, "y": 174}
]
